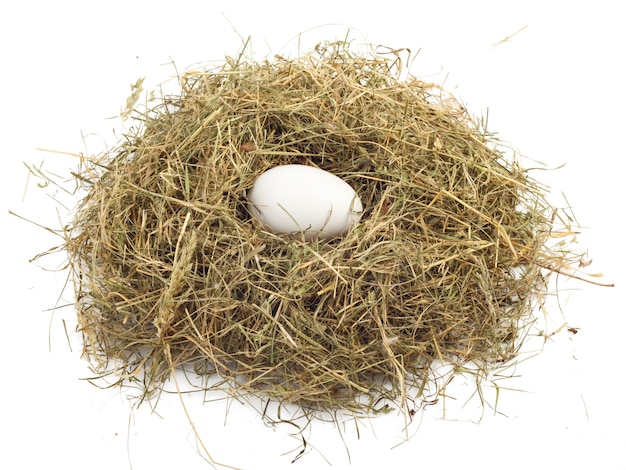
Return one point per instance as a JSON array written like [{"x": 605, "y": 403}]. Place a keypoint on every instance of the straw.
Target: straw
[{"x": 446, "y": 265}]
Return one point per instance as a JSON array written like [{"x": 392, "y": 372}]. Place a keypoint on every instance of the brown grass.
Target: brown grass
[{"x": 447, "y": 263}]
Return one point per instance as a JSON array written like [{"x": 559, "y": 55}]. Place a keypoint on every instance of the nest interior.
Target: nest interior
[{"x": 172, "y": 272}]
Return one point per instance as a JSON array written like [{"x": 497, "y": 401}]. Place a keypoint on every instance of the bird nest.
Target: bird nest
[{"x": 171, "y": 271}]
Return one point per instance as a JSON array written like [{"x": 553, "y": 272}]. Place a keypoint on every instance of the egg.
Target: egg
[{"x": 304, "y": 201}]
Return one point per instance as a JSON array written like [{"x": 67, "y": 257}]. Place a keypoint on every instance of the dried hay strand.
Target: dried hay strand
[{"x": 447, "y": 263}]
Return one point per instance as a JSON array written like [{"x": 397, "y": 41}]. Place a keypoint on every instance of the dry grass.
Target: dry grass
[{"x": 447, "y": 263}]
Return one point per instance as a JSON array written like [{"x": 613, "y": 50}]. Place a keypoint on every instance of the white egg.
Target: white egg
[{"x": 304, "y": 201}]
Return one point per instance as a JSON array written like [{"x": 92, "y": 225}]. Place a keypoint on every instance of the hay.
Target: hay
[{"x": 446, "y": 264}]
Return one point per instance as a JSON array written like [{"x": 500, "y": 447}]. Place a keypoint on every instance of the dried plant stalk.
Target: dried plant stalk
[{"x": 446, "y": 264}]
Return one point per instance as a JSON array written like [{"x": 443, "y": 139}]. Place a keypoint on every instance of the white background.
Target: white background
[{"x": 555, "y": 91}]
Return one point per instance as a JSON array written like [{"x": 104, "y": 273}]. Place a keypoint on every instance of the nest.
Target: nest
[{"x": 172, "y": 272}]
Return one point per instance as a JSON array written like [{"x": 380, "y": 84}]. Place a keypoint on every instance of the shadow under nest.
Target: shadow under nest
[{"x": 172, "y": 272}]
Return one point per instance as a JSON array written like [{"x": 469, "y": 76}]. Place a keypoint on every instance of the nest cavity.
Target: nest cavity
[{"x": 172, "y": 272}]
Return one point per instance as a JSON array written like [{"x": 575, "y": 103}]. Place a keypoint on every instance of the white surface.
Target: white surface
[{"x": 555, "y": 90}]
